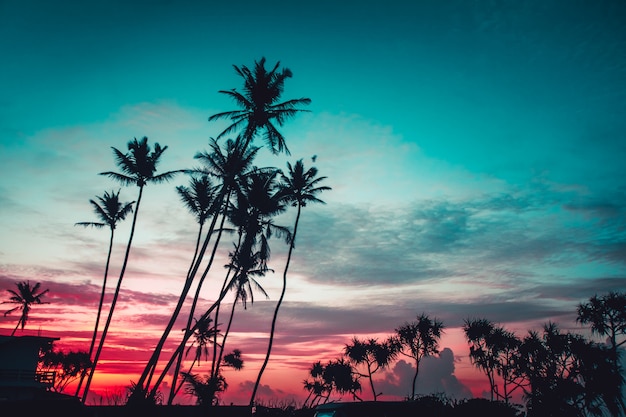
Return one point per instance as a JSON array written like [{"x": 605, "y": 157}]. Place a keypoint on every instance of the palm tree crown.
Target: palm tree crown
[
  {"x": 299, "y": 186},
  {"x": 260, "y": 105},
  {"x": 139, "y": 164},
  {"x": 109, "y": 210},
  {"x": 25, "y": 297}
]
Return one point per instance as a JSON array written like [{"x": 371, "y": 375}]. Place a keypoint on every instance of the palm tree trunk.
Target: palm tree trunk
[
  {"x": 146, "y": 376},
  {"x": 18, "y": 325},
  {"x": 216, "y": 371},
  {"x": 217, "y": 310},
  {"x": 278, "y": 304},
  {"x": 181, "y": 345},
  {"x": 173, "y": 392},
  {"x": 197, "y": 297},
  {"x": 193, "y": 262},
  {"x": 115, "y": 296},
  {"x": 148, "y": 372},
  {"x": 197, "y": 294},
  {"x": 100, "y": 304}
]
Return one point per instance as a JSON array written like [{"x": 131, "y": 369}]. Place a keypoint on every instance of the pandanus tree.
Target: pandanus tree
[
  {"x": 419, "y": 339},
  {"x": 568, "y": 375},
  {"x": 606, "y": 316},
  {"x": 260, "y": 105},
  {"x": 138, "y": 167},
  {"x": 110, "y": 211},
  {"x": 494, "y": 350},
  {"x": 371, "y": 355},
  {"x": 336, "y": 376},
  {"x": 25, "y": 296},
  {"x": 299, "y": 188}
]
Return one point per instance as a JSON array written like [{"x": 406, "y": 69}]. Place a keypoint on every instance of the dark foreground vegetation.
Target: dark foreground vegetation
[{"x": 429, "y": 406}]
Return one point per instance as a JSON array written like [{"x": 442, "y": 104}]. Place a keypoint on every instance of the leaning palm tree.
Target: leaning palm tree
[
  {"x": 298, "y": 188},
  {"x": 138, "y": 168},
  {"x": 260, "y": 105},
  {"x": 227, "y": 167},
  {"x": 200, "y": 199},
  {"x": 110, "y": 210},
  {"x": 25, "y": 297}
]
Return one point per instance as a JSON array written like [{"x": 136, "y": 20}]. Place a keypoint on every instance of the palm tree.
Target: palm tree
[
  {"x": 227, "y": 167},
  {"x": 205, "y": 390},
  {"x": 260, "y": 106},
  {"x": 110, "y": 211},
  {"x": 242, "y": 285},
  {"x": 25, "y": 297},
  {"x": 138, "y": 167},
  {"x": 298, "y": 188},
  {"x": 200, "y": 199},
  {"x": 421, "y": 337}
]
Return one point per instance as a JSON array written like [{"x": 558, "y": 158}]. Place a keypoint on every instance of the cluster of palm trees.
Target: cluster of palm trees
[
  {"x": 557, "y": 373},
  {"x": 228, "y": 196}
]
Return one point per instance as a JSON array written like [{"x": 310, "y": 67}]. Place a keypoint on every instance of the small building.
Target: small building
[{"x": 19, "y": 378}]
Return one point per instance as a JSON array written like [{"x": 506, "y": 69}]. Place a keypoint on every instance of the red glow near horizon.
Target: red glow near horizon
[{"x": 125, "y": 356}]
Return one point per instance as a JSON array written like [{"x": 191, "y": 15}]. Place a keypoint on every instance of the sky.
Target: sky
[{"x": 475, "y": 151}]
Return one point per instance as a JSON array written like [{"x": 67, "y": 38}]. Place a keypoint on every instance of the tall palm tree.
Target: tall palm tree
[
  {"x": 260, "y": 105},
  {"x": 25, "y": 297},
  {"x": 110, "y": 210},
  {"x": 200, "y": 199},
  {"x": 299, "y": 188},
  {"x": 256, "y": 204},
  {"x": 138, "y": 168},
  {"x": 227, "y": 166}
]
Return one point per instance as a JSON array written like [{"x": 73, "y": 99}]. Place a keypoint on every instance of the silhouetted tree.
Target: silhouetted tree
[
  {"x": 230, "y": 167},
  {"x": 607, "y": 316},
  {"x": 24, "y": 297},
  {"x": 207, "y": 389},
  {"x": 203, "y": 336},
  {"x": 200, "y": 199},
  {"x": 372, "y": 355},
  {"x": 67, "y": 366},
  {"x": 494, "y": 350},
  {"x": 421, "y": 339},
  {"x": 138, "y": 168},
  {"x": 260, "y": 105},
  {"x": 110, "y": 211},
  {"x": 336, "y": 376},
  {"x": 226, "y": 168},
  {"x": 568, "y": 375},
  {"x": 298, "y": 188}
]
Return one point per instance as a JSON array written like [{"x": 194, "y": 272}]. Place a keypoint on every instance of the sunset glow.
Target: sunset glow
[{"x": 475, "y": 154}]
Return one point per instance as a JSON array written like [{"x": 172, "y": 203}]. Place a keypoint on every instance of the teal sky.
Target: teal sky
[{"x": 476, "y": 151}]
